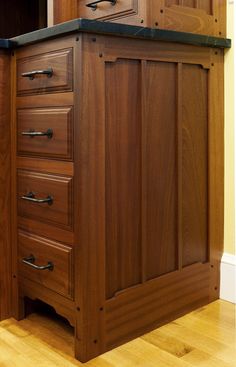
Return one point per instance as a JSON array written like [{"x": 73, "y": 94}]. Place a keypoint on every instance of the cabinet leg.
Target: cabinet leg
[{"x": 19, "y": 309}]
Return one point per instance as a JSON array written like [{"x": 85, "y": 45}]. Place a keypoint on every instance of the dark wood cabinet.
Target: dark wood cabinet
[{"x": 125, "y": 197}]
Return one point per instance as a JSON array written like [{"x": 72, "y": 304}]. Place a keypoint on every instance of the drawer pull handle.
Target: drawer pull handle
[
  {"x": 32, "y": 133},
  {"x": 30, "y": 261},
  {"x": 31, "y": 74},
  {"x": 94, "y": 4},
  {"x": 31, "y": 197}
]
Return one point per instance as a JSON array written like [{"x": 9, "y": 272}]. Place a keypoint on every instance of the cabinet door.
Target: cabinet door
[{"x": 196, "y": 16}]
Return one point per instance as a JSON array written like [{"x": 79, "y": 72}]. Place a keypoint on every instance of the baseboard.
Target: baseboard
[{"x": 228, "y": 278}]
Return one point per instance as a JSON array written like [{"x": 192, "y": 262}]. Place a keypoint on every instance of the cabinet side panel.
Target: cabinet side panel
[
  {"x": 5, "y": 251},
  {"x": 123, "y": 175},
  {"x": 159, "y": 170},
  {"x": 195, "y": 164}
]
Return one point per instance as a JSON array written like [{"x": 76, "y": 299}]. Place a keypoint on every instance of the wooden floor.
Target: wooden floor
[{"x": 206, "y": 337}]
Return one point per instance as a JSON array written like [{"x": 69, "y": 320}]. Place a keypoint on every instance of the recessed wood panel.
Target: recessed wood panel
[
  {"x": 123, "y": 175},
  {"x": 59, "y": 62},
  {"x": 195, "y": 164},
  {"x": 59, "y": 278},
  {"x": 57, "y": 121},
  {"x": 159, "y": 171},
  {"x": 43, "y": 186},
  {"x": 194, "y": 4}
]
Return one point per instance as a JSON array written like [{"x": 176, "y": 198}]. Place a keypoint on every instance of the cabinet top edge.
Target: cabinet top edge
[
  {"x": 115, "y": 29},
  {"x": 6, "y": 43}
]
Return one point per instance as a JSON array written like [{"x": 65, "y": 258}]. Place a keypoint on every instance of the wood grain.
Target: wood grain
[
  {"x": 159, "y": 171},
  {"x": 58, "y": 120},
  {"x": 195, "y": 165},
  {"x": 64, "y": 10},
  {"x": 60, "y": 278},
  {"x": 59, "y": 61},
  {"x": 5, "y": 182},
  {"x": 123, "y": 175},
  {"x": 44, "y": 339},
  {"x": 145, "y": 307},
  {"x": 201, "y": 16},
  {"x": 59, "y": 188},
  {"x": 146, "y": 217}
]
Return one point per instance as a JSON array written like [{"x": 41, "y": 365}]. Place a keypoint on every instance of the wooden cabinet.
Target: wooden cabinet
[
  {"x": 125, "y": 197},
  {"x": 196, "y": 16}
]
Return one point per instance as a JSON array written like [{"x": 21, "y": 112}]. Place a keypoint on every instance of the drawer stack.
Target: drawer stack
[{"x": 44, "y": 182}]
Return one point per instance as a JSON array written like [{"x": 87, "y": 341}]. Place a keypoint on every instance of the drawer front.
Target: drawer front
[
  {"x": 45, "y": 262},
  {"x": 45, "y": 73},
  {"x": 45, "y": 197},
  {"x": 108, "y": 9},
  {"x": 45, "y": 132}
]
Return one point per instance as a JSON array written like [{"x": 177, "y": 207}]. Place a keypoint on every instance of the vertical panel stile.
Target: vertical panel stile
[
  {"x": 143, "y": 168},
  {"x": 90, "y": 200},
  {"x": 180, "y": 158}
]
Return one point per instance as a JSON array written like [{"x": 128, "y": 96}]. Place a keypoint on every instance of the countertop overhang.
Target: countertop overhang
[{"x": 115, "y": 29}]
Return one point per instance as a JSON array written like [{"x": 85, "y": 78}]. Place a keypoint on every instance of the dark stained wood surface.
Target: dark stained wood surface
[
  {"x": 202, "y": 17},
  {"x": 159, "y": 171},
  {"x": 58, "y": 120},
  {"x": 59, "y": 188},
  {"x": 59, "y": 279},
  {"x": 5, "y": 192},
  {"x": 154, "y": 303},
  {"x": 123, "y": 175},
  {"x": 61, "y": 80},
  {"x": 195, "y": 164},
  {"x": 64, "y": 10},
  {"x": 146, "y": 180}
]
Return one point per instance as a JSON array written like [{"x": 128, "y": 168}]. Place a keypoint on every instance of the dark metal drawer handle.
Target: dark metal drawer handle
[
  {"x": 31, "y": 74},
  {"x": 31, "y": 197},
  {"x": 32, "y": 133},
  {"x": 94, "y": 4},
  {"x": 30, "y": 261}
]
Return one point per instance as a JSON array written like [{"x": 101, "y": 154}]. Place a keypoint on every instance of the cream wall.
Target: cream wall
[{"x": 229, "y": 233}]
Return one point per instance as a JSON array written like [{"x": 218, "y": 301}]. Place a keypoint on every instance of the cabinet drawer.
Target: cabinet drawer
[
  {"x": 46, "y": 262},
  {"x": 45, "y": 73},
  {"x": 45, "y": 132},
  {"x": 107, "y": 9},
  {"x": 45, "y": 197}
]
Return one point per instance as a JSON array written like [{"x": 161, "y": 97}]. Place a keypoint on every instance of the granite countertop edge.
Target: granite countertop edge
[{"x": 116, "y": 29}]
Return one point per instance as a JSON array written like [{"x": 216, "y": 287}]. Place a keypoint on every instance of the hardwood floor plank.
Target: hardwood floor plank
[{"x": 203, "y": 338}]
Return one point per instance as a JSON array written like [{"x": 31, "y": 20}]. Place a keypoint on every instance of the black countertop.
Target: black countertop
[
  {"x": 121, "y": 30},
  {"x": 4, "y": 43}
]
